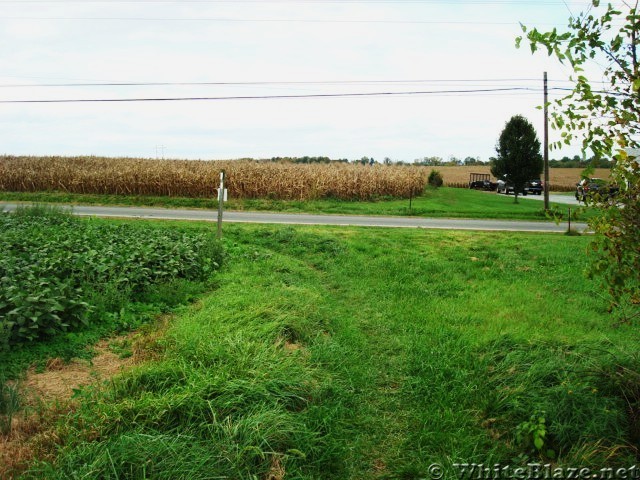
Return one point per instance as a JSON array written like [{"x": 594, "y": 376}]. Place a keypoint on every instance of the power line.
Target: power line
[
  {"x": 477, "y": 91},
  {"x": 426, "y": 2},
  {"x": 267, "y": 20},
  {"x": 263, "y": 83},
  {"x": 267, "y": 97}
]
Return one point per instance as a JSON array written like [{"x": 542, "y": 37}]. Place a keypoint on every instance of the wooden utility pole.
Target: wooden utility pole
[{"x": 546, "y": 146}]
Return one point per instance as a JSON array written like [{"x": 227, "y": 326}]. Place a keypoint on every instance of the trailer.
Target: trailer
[{"x": 481, "y": 181}]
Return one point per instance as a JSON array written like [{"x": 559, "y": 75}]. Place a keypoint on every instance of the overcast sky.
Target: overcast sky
[{"x": 266, "y": 48}]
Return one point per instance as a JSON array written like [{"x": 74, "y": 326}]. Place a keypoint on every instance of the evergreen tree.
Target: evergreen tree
[{"x": 518, "y": 160}]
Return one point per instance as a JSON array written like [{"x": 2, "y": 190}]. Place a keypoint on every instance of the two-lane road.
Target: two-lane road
[
  {"x": 308, "y": 219},
  {"x": 556, "y": 198}
]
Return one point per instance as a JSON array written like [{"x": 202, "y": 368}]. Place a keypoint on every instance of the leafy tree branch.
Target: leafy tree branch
[{"x": 607, "y": 121}]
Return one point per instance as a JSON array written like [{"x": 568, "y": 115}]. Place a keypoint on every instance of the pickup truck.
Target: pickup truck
[{"x": 534, "y": 187}]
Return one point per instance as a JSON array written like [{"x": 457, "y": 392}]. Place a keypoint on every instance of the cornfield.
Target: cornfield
[
  {"x": 200, "y": 178},
  {"x": 560, "y": 179},
  {"x": 245, "y": 178}
]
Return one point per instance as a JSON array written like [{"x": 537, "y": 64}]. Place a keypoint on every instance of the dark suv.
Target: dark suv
[{"x": 590, "y": 187}]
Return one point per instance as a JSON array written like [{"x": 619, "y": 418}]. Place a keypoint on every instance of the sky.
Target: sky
[{"x": 309, "y": 62}]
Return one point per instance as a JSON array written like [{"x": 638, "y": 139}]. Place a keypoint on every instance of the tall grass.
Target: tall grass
[
  {"x": 9, "y": 404},
  {"x": 229, "y": 398},
  {"x": 361, "y": 353}
]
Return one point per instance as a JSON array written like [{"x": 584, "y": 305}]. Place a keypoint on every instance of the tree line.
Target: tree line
[{"x": 434, "y": 161}]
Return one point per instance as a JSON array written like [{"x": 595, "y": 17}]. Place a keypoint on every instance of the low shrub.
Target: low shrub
[{"x": 435, "y": 179}]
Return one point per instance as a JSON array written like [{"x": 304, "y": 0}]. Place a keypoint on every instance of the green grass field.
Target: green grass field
[
  {"x": 442, "y": 202},
  {"x": 345, "y": 353}
]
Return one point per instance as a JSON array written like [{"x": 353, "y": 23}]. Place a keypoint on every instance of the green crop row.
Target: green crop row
[{"x": 59, "y": 272}]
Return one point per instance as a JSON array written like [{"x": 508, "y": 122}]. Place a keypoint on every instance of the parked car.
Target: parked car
[
  {"x": 591, "y": 187},
  {"x": 534, "y": 187},
  {"x": 503, "y": 186},
  {"x": 506, "y": 187}
]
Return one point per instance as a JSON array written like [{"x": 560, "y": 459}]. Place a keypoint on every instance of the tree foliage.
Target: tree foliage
[
  {"x": 606, "y": 119},
  {"x": 435, "y": 179},
  {"x": 518, "y": 152}
]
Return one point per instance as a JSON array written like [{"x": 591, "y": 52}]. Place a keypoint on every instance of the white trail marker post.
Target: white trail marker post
[{"x": 222, "y": 197}]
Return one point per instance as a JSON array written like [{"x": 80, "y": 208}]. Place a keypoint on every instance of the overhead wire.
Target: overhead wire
[
  {"x": 267, "y": 20},
  {"x": 426, "y": 2},
  {"x": 267, "y": 82},
  {"x": 291, "y": 96}
]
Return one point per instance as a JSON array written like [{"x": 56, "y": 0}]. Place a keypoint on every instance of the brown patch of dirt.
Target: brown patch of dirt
[
  {"x": 379, "y": 466},
  {"x": 46, "y": 396},
  {"x": 14, "y": 455},
  {"x": 31, "y": 436},
  {"x": 55, "y": 364},
  {"x": 59, "y": 380},
  {"x": 292, "y": 347},
  {"x": 490, "y": 424},
  {"x": 276, "y": 472}
]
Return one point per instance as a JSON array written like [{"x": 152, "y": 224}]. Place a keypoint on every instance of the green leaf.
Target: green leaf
[{"x": 538, "y": 443}]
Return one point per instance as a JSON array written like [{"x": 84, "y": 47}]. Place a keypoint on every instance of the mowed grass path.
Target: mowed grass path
[{"x": 366, "y": 353}]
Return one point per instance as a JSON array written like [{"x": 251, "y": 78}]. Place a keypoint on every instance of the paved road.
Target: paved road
[
  {"x": 555, "y": 197},
  {"x": 307, "y": 219}
]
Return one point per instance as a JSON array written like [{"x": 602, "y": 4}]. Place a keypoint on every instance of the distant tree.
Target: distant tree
[
  {"x": 596, "y": 161},
  {"x": 469, "y": 161},
  {"x": 387, "y": 161},
  {"x": 435, "y": 179},
  {"x": 518, "y": 150},
  {"x": 305, "y": 159},
  {"x": 429, "y": 161}
]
